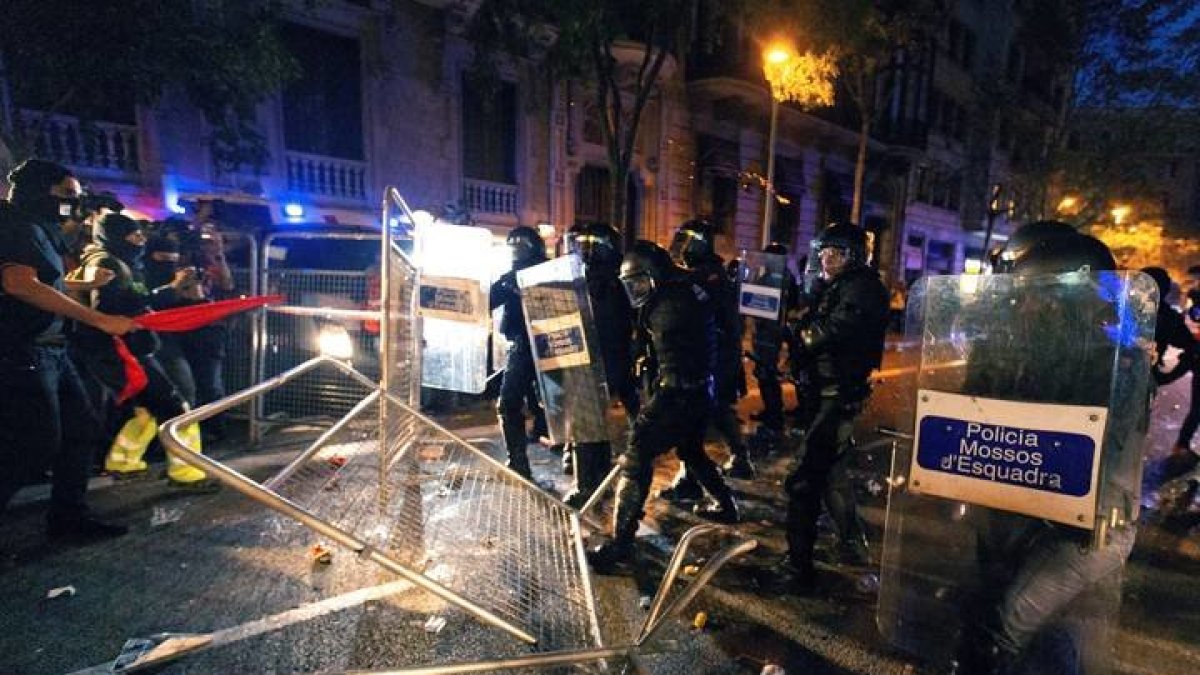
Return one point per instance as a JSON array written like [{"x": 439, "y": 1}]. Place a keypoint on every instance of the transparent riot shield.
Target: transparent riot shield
[
  {"x": 562, "y": 331},
  {"x": 764, "y": 284},
  {"x": 455, "y": 273},
  {"x": 1011, "y": 512}
]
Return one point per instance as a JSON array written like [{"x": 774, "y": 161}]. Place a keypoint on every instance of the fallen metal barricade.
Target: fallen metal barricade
[{"x": 440, "y": 512}]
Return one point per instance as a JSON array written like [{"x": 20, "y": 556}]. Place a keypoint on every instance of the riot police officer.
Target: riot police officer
[
  {"x": 841, "y": 341},
  {"x": 693, "y": 250},
  {"x": 767, "y": 344},
  {"x": 1030, "y": 568},
  {"x": 674, "y": 314},
  {"x": 527, "y": 250},
  {"x": 599, "y": 246}
]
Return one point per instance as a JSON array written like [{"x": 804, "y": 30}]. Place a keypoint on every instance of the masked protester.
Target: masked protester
[
  {"x": 44, "y": 412},
  {"x": 528, "y": 249},
  {"x": 693, "y": 250},
  {"x": 599, "y": 246},
  {"x": 841, "y": 341},
  {"x": 675, "y": 316},
  {"x": 119, "y": 248}
]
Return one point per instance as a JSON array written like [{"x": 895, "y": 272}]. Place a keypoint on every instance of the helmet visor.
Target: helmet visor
[
  {"x": 586, "y": 245},
  {"x": 638, "y": 287},
  {"x": 687, "y": 248}
]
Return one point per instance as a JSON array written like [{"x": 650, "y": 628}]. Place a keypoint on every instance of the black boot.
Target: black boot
[
  {"x": 724, "y": 510},
  {"x": 620, "y": 552},
  {"x": 81, "y": 528},
  {"x": 685, "y": 490}
]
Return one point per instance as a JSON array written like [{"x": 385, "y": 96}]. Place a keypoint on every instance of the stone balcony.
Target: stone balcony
[
  {"x": 485, "y": 197},
  {"x": 92, "y": 149},
  {"x": 324, "y": 178}
]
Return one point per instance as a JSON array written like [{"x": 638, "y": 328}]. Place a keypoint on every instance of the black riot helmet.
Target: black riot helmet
[
  {"x": 848, "y": 237},
  {"x": 1065, "y": 253},
  {"x": 526, "y": 246},
  {"x": 776, "y": 248},
  {"x": 1162, "y": 279},
  {"x": 645, "y": 268},
  {"x": 693, "y": 243},
  {"x": 595, "y": 243},
  {"x": 1024, "y": 239}
]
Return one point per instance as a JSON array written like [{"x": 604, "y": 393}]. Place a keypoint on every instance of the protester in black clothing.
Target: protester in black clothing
[
  {"x": 119, "y": 247},
  {"x": 841, "y": 341},
  {"x": 194, "y": 359},
  {"x": 528, "y": 249},
  {"x": 676, "y": 317},
  {"x": 43, "y": 408},
  {"x": 693, "y": 250},
  {"x": 599, "y": 246},
  {"x": 1171, "y": 331}
]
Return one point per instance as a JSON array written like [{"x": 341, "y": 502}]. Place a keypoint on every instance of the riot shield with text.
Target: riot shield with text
[
  {"x": 562, "y": 331},
  {"x": 1012, "y": 511},
  {"x": 455, "y": 270},
  {"x": 764, "y": 284}
]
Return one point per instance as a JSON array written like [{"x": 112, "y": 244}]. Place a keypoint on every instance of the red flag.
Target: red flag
[
  {"x": 135, "y": 375},
  {"x": 183, "y": 319}
]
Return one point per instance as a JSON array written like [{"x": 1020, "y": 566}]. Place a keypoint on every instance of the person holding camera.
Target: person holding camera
[{"x": 180, "y": 278}]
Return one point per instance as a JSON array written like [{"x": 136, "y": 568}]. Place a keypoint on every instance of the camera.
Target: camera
[{"x": 95, "y": 202}]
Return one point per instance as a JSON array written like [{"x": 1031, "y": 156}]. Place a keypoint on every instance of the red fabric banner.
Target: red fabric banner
[{"x": 183, "y": 319}]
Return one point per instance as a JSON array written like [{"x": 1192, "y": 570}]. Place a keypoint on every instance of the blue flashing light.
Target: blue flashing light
[{"x": 293, "y": 210}]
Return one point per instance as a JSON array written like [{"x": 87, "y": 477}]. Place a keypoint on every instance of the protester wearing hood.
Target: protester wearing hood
[{"x": 120, "y": 247}]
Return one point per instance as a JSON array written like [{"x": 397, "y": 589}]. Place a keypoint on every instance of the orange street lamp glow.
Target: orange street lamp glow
[{"x": 1121, "y": 212}]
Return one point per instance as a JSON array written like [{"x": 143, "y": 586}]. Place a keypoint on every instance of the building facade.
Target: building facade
[{"x": 386, "y": 99}]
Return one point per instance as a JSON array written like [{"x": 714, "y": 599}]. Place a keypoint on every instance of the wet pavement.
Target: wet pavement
[{"x": 220, "y": 566}]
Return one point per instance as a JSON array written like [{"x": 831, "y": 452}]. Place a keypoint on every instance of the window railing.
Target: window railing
[
  {"x": 93, "y": 148},
  {"x": 483, "y": 196},
  {"x": 322, "y": 176}
]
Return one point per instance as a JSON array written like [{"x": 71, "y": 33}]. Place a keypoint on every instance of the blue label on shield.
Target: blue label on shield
[
  {"x": 556, "y": 344},
  {"x": 1051, "y": 461},
  {"x": 445, "y": 299},
  {"x": 760, "y": 301}
]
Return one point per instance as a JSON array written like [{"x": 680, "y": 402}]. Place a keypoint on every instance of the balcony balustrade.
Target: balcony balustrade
[
  {"x": 91, "y": 148},
  {"x": 320, "y": 176}
]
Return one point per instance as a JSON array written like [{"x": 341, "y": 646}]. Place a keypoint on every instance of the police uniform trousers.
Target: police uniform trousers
[
  {"x": 822, "y": 475},
  {"x": 673, "y": 418},
  {"x": 518, "y": 379}
]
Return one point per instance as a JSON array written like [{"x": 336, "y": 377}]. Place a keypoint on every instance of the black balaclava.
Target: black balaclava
[
  {"x": 32, "y": 181},
  {"x": 160, "y": 272},
  {"x": 110, "y": 234}
]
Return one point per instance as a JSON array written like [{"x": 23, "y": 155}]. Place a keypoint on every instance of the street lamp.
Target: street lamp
[
  {"x": 775, "y": 61},
  {"x": 806, "y": 79}
]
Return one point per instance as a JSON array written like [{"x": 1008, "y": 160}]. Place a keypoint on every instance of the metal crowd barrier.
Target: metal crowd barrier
[{"x": 440, "y": 512}]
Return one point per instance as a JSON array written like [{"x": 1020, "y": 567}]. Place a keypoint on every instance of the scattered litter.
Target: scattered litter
[
  {"x": 165, "y": 516},
  {"x": 644, "y": 602},
  {"x": 68, "y": 591},
  {"x": 435, "y": 624},
  {"x": 772, "y": 669},
  {"x": 867, "y": 583},
  {"x": 700, "y": 620},
  {"x": 319, "y": 554},
  {"x": 141, "y": 651},
  {"x": 874, "y": 487},
  {"x": 337, "y": 461}
]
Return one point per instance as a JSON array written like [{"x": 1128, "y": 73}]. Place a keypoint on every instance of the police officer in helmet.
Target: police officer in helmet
[
  {"x": 840, "y": 341},
  {"x": 527, "y": 250},
  {"x": 599, "y": 246},
  {"x": 693, "y": 249},
  {"x": 768, "y": 342},
  {"x": 1033, "y": 568},
  {"x": 675, "y": 318}
]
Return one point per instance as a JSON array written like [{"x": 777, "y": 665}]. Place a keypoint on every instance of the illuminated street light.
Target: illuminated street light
[
  {"x": 1120, "y": 212},
  {"x": 1069, "y": 204},
  {"x": 806, "y": 79}
]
